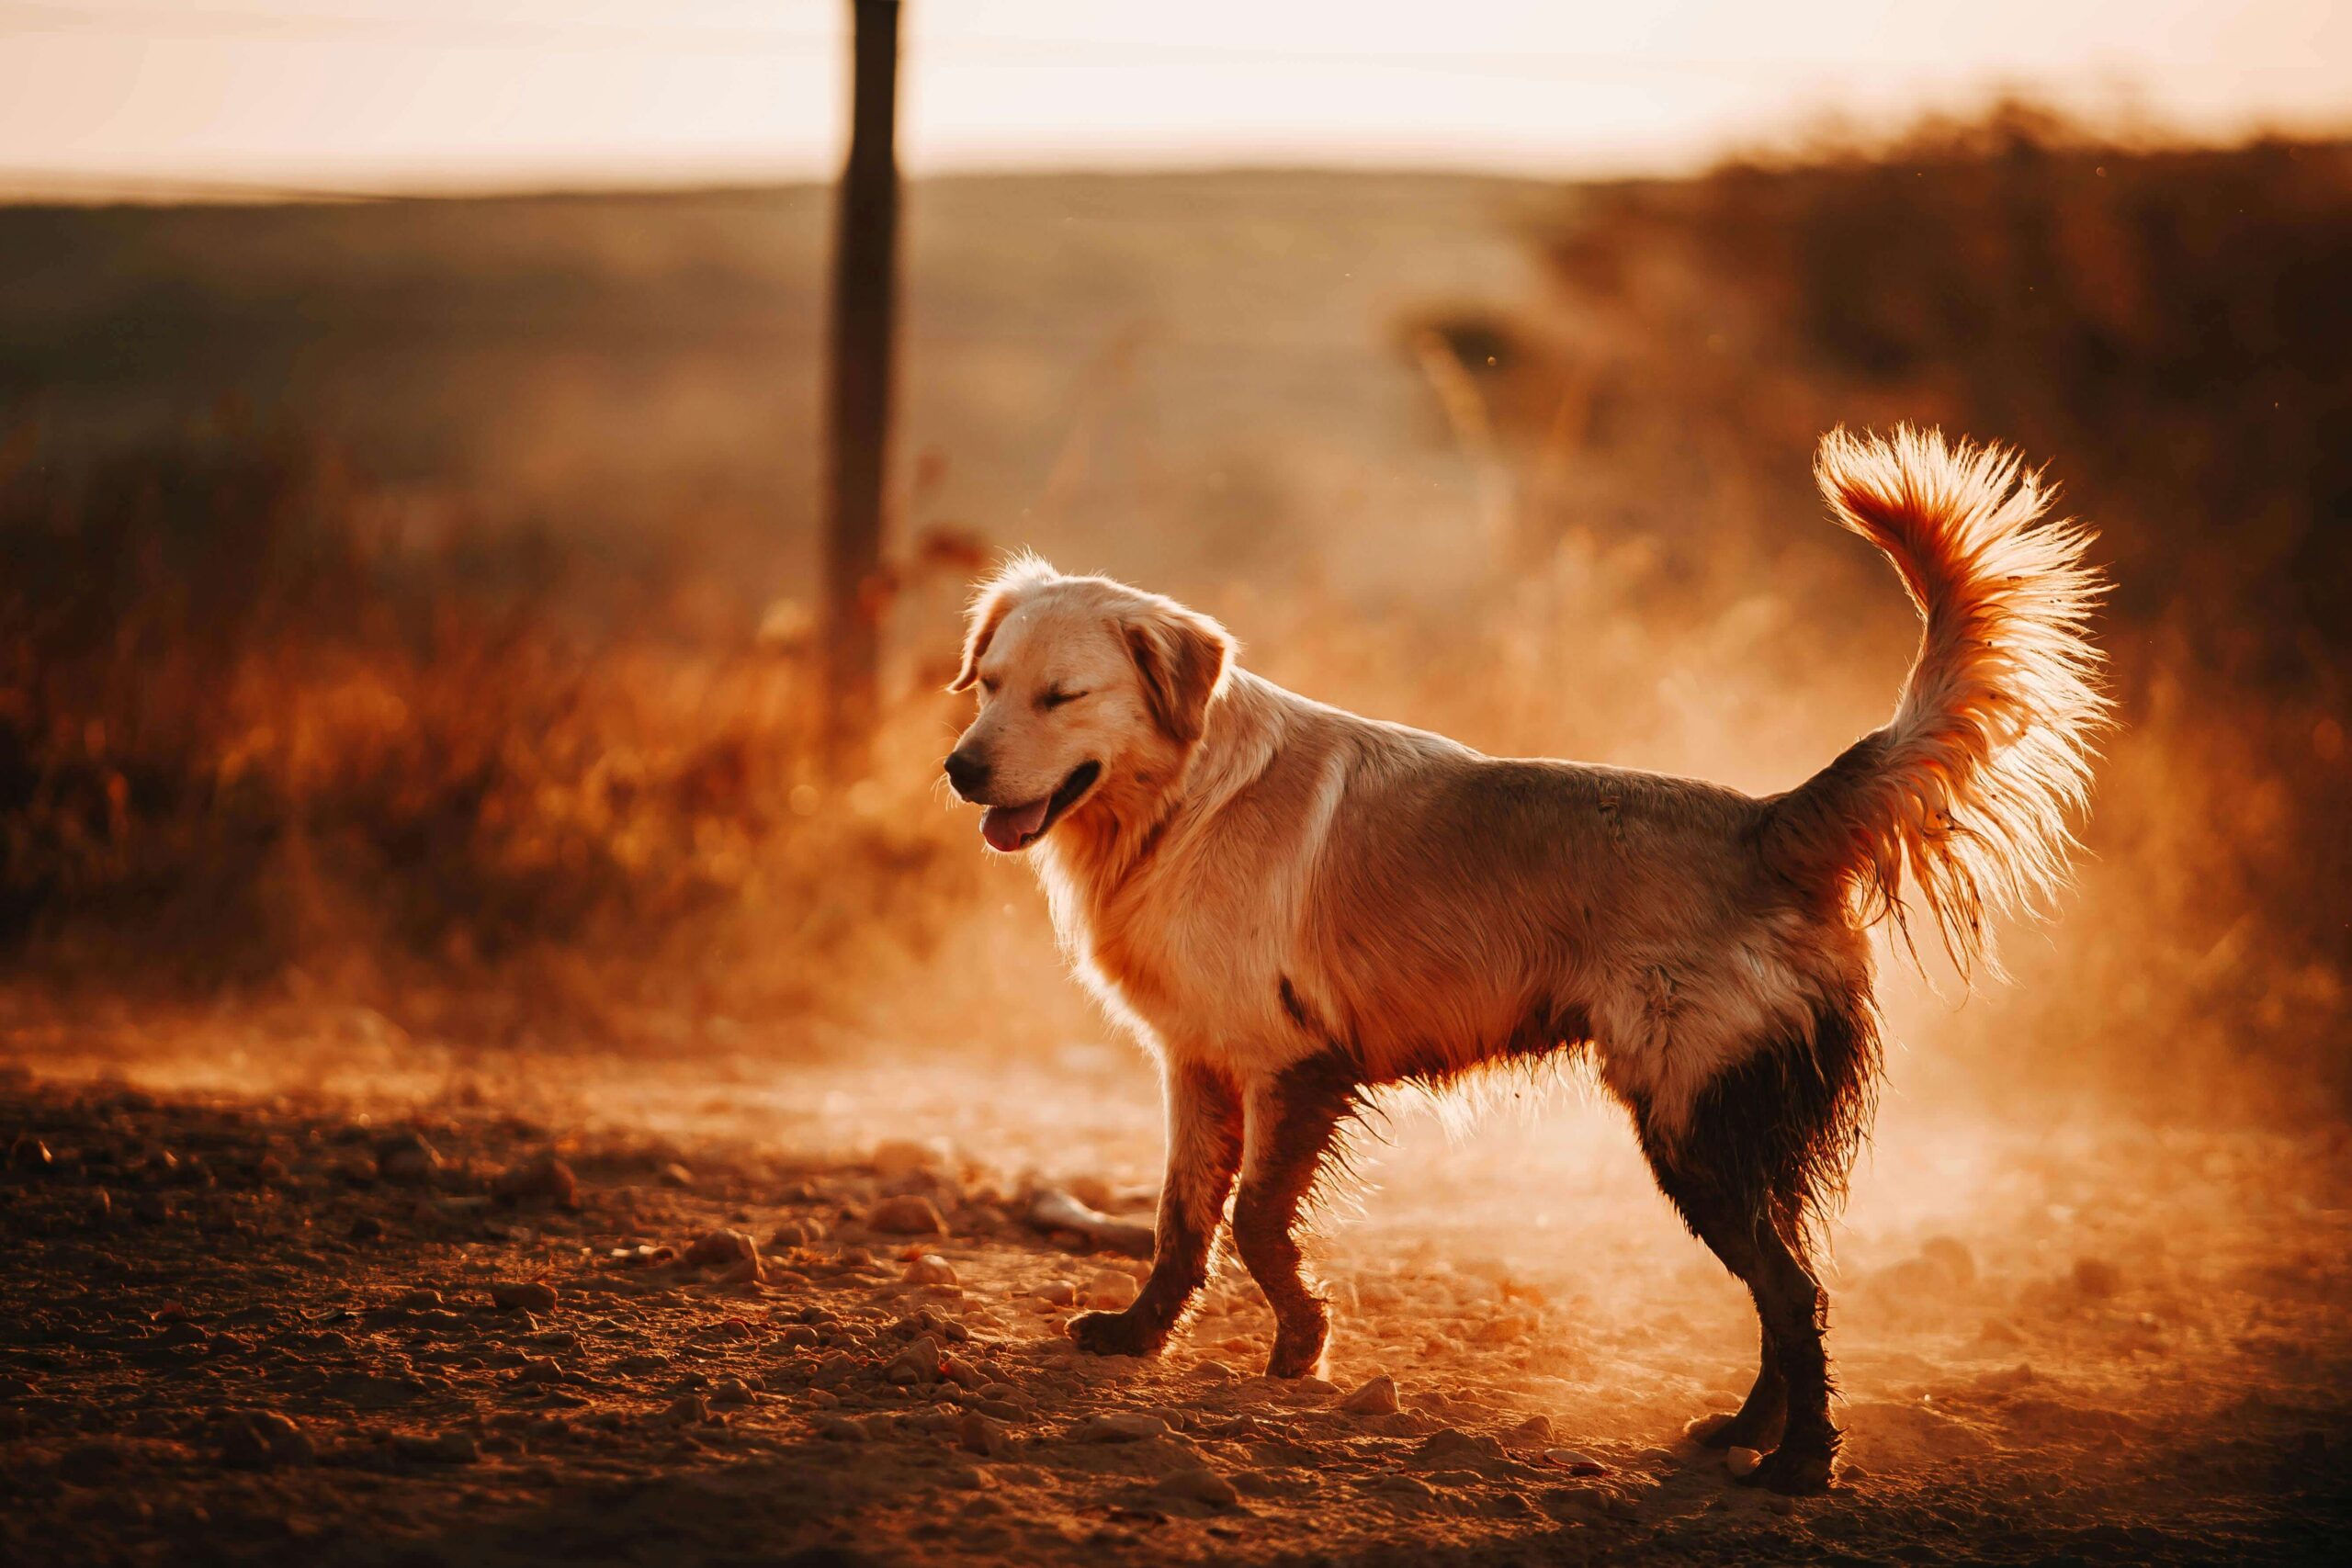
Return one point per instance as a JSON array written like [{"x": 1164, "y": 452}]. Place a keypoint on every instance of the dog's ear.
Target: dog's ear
[
  {"x": 995, "y": 600},
  {"x": 986, "y": 616},
  {"x": 1183, "y": 657}
]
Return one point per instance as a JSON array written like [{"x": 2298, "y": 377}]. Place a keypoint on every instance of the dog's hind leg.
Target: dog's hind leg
[
  {"x": 1791, "y": 1397},
  {"x": 1204, "y": 1124},
  {"x": 1722, "y": 1221},
  {"x": 1764, "y": 1414},
  {"x": 1761, "y": 1154},
  {"x": 1293, "y": 1119},
  {"x": 1795, "y": 1310},
  {"x": 1757, "y": 1153}
]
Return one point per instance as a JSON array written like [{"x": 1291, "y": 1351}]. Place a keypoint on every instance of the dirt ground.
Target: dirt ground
[{"x": 304, "y": 1291}]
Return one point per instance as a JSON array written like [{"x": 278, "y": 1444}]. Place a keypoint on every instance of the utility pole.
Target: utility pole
[{"x": 865, "y": 283}]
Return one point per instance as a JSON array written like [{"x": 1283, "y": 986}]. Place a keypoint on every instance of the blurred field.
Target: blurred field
[{"x": 405, "y": 601}]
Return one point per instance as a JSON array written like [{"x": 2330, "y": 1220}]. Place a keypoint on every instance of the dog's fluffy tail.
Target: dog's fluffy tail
[{"x": 1963, "y": 800}]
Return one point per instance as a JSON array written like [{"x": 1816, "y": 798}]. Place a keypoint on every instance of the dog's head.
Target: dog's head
[{"x": 1090, "y": 691}]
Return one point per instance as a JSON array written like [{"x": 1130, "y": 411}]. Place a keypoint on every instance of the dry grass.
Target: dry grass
[{"x": 256, "y": 730}]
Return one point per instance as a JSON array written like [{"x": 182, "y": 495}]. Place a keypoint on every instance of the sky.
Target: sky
[{"x": 374, "y": 95}]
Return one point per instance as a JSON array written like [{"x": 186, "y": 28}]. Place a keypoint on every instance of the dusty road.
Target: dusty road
[{"x": 321, "y": 1297}]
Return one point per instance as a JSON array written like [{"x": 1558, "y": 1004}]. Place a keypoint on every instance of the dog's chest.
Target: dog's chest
[{"x": 1200, "y": 970}]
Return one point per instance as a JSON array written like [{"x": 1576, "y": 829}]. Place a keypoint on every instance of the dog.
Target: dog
[{"x": 1292, "y": 906}]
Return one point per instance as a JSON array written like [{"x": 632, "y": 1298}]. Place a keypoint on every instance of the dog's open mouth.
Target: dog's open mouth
[{"x": 1014, "y": 828}]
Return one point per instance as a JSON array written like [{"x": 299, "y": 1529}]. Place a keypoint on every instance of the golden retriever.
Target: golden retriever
[{"x": 1292, "y": 906}]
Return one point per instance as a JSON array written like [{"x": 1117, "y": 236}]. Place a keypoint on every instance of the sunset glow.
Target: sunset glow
[{"x": 371, "y": 93}]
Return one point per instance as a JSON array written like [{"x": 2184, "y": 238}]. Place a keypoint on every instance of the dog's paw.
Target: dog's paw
[
  {"x": 1297, "y": 1355},
  {"x": 1708, "y": 1430},
  {"x": 1113, "y": 1334},
  {"x": 1791, "y": 1473},
  {"x": 1722, "y": 1430}
]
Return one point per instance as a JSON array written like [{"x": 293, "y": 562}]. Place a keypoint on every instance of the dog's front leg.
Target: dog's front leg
[
  {"x": 1204, "y": 1151},
  {"x": 1293, "y": 1118}
]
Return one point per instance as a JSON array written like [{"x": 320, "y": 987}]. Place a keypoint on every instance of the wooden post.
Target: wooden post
[{"x": 866, "y": 280}]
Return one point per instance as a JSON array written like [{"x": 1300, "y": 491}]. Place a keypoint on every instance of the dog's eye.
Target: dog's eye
[
  {"x": 988, "y": 686},
  {"x": 1055, "y": 699}
]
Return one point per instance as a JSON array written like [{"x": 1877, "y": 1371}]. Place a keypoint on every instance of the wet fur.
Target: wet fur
[{"x": 1295, "y": 905}]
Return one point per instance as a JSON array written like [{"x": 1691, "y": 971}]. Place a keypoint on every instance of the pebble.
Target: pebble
[
  {"x": 545, "y": 1180},
  {"x": 919, "y": 1362},
  {"x": 1118, "y": 1426},
  {"x": 733, "y": 1391},
  {"x": 366, "y": 1227},
  {"x": 1451, "y": 1447},
  {"x": 840, "y": 1429},
  {"x": 30, "y": 1156},
  {"x": 798, "y": 1233},
  {"x": 1402, "y": 1485},
  {"x": 1742, "y": 1461},
  {"x": 719, "y": 1247},
  {"x": 931, "y": 1269},
  {"x": 261, "y": 1439},
  {"x": 1057, "y": 1292},
  {"x": 1110, "y": 1288},
  {"x": 909, "y": 1214},
  {"x": 1573, "y": 1463},
  {"x": 528, "y": 1295},
  {"x": 687, "y": 1410},
  {"x": 983, "y": 1434},
  {"x": 1202, "y": 1485},
  {"x": 407, "y": 1158},
  {"x": 1377, "y": 1397},
  {"x": 674, "y": 1175},
  {"x": 1535, "y": 1429}
]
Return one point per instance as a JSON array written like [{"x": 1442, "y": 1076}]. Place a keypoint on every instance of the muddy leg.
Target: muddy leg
[
  {"x": 1292, "y": 1119},
  {"x": 1203, "y": 1152},
  {"x": 1730, "y": 1212},
  {"x": 1795, "y": 1312},
  {"x": 1762, "y": 1414}
]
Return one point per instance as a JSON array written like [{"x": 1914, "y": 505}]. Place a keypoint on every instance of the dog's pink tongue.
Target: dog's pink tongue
[{"x": 1004, "y": 826}]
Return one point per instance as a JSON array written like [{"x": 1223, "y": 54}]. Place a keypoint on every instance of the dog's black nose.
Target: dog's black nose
[{"x": 966, "y": 775}]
